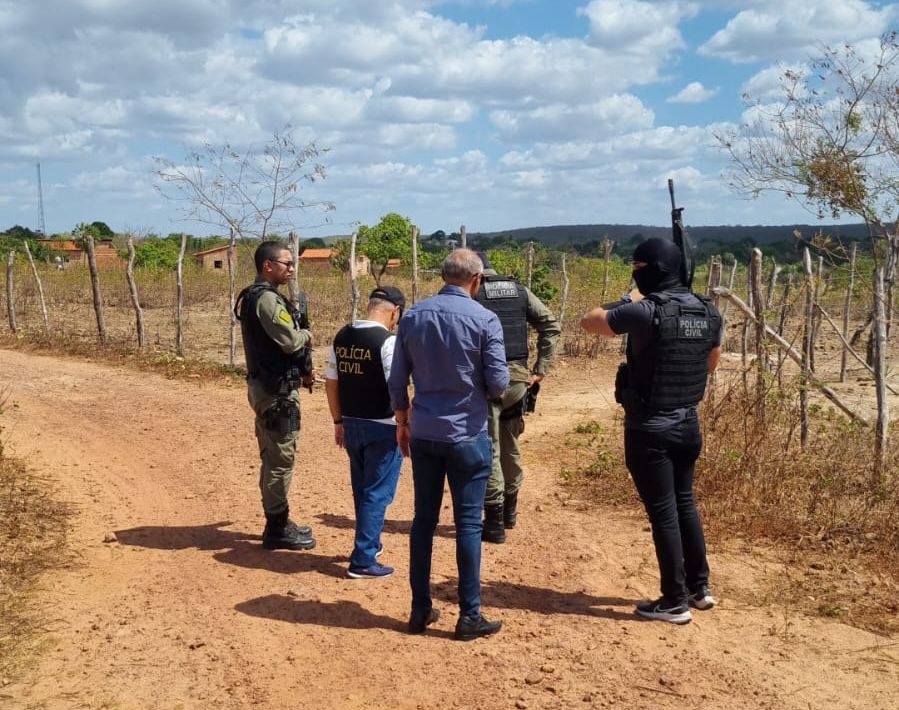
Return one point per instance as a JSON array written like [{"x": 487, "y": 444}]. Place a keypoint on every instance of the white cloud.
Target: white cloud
[
  {"x": 435, "y": 116},
  {"x": 793, "y": 28},
  {"x": 692, "y": 93},
  {"x": 768, "y": 83},
  {"x": 608, "y": 116},
  {"x": 637, "y": 27}
]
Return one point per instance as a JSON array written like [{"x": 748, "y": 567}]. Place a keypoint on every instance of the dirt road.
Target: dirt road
[{"x": 185, "y": 610}]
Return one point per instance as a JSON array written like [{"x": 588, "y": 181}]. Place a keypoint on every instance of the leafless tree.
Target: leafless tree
[{"x": 256, "y": 192}]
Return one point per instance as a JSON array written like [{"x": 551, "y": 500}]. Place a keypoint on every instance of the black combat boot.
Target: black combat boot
[
  {"x": 283, "y": 534},
  {"x": 494, "y": 530},
  {"x": 510, "y": 510}
]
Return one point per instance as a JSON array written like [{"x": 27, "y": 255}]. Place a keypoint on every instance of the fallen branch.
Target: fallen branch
[
  {"x": 848, "y": 347},
  {"x": 790, "y": 351}
]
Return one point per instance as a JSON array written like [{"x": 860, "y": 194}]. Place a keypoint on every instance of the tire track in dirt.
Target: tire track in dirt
[{"x": 185, "y": 610}]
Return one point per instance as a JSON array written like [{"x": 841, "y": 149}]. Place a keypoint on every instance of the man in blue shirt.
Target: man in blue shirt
[{"x": 453, "y": 349}]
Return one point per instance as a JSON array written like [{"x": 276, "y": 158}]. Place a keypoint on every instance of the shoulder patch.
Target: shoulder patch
[{"x": 282, "y": 316}]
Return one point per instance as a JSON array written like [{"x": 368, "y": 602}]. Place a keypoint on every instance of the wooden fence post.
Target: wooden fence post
[
  {"x": 806, "y": 347},
  {"x": 730, "y": 286},
  {"x": 293, "y": 286},
  {"x": 354, "y": 284},
  {"x": 714, "y": 282},
  {"x": 95, "y": 286},
  {"x": 772, "y": 284},
  {"x": 880, "y": 341},
  {"x": 135, "y": 301},
  {"x": 781, "y": 324},
  {"x": 10, "y": 292},
  {"x": 415, "y": 234},
  {"x": 40, "y": 290},
  {"x": 816, "y": 318},
  {"x": 179, "y": 312},
  {"x": 607, "y": 246},
  {"x": 761, "y": 356},
  {"x": 565, "y": 285},
  {"x": 794, "y": 356},
  {"x": 232, "y": 319},
  {"x": 530, "y": 254},
  {"x": 847, "y": 305}
]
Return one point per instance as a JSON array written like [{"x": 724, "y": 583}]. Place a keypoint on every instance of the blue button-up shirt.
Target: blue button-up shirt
[{"x": 453, "y": 348}]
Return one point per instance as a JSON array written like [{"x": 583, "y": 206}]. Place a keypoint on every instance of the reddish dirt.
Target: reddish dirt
[{"x": 185, "y": 610}]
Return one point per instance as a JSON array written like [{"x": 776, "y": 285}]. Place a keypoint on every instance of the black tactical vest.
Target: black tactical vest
[
  {"x": 361, "y": 386},
  {"x": 671, "y": 371},
  {"x": 265, "y": 360},
  {"x": 509, "y": 300}
]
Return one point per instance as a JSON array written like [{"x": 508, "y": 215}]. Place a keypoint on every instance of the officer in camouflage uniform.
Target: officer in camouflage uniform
[
  {"x": 277, "y": 345},
  {"x": 516, "y": 308}
]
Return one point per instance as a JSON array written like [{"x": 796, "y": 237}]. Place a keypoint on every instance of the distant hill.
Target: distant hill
[{"x": 562, "y": 235}]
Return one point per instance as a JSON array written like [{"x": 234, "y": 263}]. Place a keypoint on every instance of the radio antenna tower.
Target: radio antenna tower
[{"x": 40, "y": 202}]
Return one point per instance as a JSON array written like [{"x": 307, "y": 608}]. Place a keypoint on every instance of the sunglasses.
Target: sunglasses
[{"x": 285, "y": 264}]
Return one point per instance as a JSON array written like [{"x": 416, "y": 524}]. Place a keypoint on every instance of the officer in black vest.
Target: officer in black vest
[
  {"x": 356, "y": 385},
  {"x": 516, "y": 307},
  {"x": 674, "y": 343},
  {"x": 276, "y": 342}
]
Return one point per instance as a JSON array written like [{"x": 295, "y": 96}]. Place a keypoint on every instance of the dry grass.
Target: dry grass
[
  {"x": 32, "y": 540},
  {"x": 820, "y": 513}
]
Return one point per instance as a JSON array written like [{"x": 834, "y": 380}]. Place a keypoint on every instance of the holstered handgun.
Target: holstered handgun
[{"x": 530, "y": 398}]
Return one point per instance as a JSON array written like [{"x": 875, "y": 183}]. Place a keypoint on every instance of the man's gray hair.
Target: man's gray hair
[
  {"x": 376, "y": 303},
  {"x": 461, "y": 266}
]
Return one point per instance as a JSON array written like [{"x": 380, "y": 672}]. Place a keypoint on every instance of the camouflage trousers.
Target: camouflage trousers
[
  {"x": 277, "y": 452},
  {"x": 507, "y": 475}
]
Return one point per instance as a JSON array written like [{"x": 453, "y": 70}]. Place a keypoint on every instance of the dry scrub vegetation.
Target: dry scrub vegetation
[
  {"x": 830, "y": 526},
  {"x": 32, "y": 539}
]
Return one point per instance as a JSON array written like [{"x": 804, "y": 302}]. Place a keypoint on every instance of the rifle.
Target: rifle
[
  {"x": 299, "y": 311},
  {"x": 682, "y": 240}
]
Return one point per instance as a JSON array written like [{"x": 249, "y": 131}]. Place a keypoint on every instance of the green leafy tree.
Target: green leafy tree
[
  {"x": 391, "y": 238},
  {"x": 20, "y": 233},
  {"x": 340, "y": 255},
  {"x": 101, "y": 230},
  {"x": 157, "y": 253}
]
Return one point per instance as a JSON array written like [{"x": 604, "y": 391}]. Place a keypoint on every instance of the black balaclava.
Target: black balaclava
[{"x": 662, "y": 270}]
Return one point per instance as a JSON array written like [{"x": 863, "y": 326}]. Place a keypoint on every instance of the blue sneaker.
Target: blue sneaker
[{"x": 371, "y": 572}]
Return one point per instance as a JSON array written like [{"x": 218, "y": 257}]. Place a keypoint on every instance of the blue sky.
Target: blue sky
[{"x": 492, "y": 113}]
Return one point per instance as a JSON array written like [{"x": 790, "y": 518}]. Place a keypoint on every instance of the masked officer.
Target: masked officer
[
  {"x": 276, "y": 342},
  {"x": 516, "y": 307},
  {"x": 674, "y": 344}
]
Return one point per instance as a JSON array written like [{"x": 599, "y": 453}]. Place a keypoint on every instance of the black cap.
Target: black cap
[{"x": 391, "y": 294}]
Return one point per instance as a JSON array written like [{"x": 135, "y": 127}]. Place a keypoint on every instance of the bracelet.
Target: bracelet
[
  {"x": 405, "y": 423},
  {"x": 338, "y": 421}
]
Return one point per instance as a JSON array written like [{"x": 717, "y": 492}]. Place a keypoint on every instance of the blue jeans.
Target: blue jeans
[
  {"x": 375, "y": 462},
  {"x": 662, "y": 466},
  {"x": 466, "y": 465}
]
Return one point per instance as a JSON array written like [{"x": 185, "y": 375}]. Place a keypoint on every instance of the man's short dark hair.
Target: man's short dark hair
[{"x": 268, "y": 251}]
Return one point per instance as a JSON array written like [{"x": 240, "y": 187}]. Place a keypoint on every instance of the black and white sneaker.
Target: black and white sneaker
[
  {"x": 702, "y": 598},
  {"x": 661, "y": 610}
]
